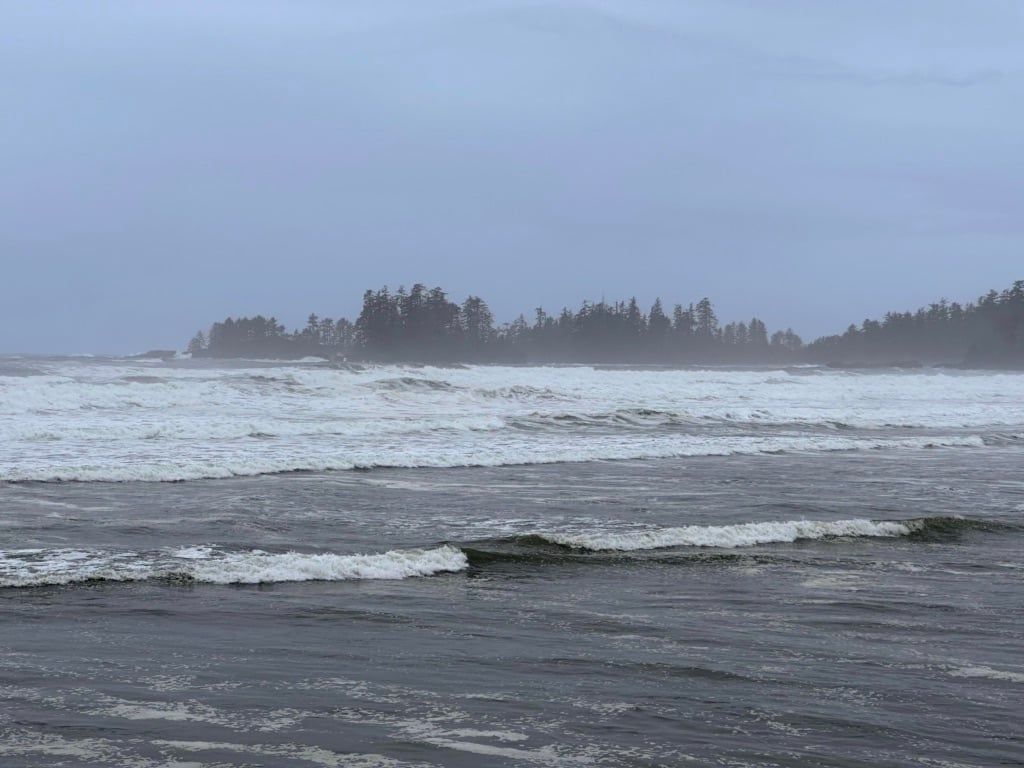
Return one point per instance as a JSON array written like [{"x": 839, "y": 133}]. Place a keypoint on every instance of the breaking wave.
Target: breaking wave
[
  {"x": 410, "y": 384},
  {"x": 122, "y": 421},
  {"x": 776, "y": 532},
  {"x": 693, "y": 545},
  {"x": 36, "y": 567},
  {"x": 481, "y": 444},
  {"x": 728, "y": 536}
]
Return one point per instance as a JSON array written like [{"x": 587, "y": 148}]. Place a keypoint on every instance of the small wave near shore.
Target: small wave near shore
[
  {"x": 208, "y": 564},
  {"x": 204, "y": 564}
]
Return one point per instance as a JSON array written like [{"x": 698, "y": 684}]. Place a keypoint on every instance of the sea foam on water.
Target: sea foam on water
[
  {"x": 38, "y": 567},
  {"x": 88, "y": 420}
]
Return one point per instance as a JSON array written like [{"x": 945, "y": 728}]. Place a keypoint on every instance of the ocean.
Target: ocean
[{"x": 253, "y": 563}]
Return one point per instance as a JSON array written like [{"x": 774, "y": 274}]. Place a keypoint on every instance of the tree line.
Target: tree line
[
  {"x": 988, "y": 332},
  {"x": 425, "y": 325}
]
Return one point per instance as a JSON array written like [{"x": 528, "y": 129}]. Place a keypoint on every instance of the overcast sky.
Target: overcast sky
[{"x": 166, "y": 164}]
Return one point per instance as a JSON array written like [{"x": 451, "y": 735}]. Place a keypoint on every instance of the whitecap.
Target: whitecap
[
  {"x": 203, "y": 422},
  {"x": 204, "y": 564},
  {"x": 726, "y": 536}
]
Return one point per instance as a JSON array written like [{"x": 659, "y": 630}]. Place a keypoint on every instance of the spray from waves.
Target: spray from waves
[
  {"x": 39, "y": 567},
  {"x": 729, "y": 536}
]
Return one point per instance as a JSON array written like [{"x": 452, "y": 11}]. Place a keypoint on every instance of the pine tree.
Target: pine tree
[{"x": 198, "y": 344}]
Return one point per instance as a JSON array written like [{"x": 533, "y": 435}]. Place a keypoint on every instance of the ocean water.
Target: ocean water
[{"x": 266, "y": 564}]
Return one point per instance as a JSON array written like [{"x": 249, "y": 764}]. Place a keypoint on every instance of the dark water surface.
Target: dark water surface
[{"x": 848, "y": 650}]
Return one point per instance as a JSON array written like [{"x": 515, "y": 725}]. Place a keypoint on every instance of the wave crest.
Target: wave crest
[
  {"x": 36, "y": 567},
  {"x": 727, "y": 536}
]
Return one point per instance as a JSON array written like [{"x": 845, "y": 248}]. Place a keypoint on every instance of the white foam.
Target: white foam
[
  {"x": 128, "y": 421},
  {"x": 727, "y": 536},
  {"x": 293, "y": 566},
  {"x": 194, "y": 553},
  {"x": 992, "y": 674},
  {"x": 52, "y": 749},
  {"x": 31, "y": 568},
  {"x": 440, "y": 451},
  {"x": 291, "y": 752}
]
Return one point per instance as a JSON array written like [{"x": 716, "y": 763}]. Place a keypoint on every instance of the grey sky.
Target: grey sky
[{"x": 165, "y": 164}]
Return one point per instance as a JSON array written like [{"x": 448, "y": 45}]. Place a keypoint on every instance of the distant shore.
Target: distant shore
[{"x": 423, "y": 326}]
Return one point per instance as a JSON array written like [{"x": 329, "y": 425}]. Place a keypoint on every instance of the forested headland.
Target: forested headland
[
  {"x": 425, "y": 326},
  {"x": 987, "y": 333}
]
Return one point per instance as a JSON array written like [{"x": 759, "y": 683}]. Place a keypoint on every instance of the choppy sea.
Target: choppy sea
[{"x": 298, "y": 564}]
